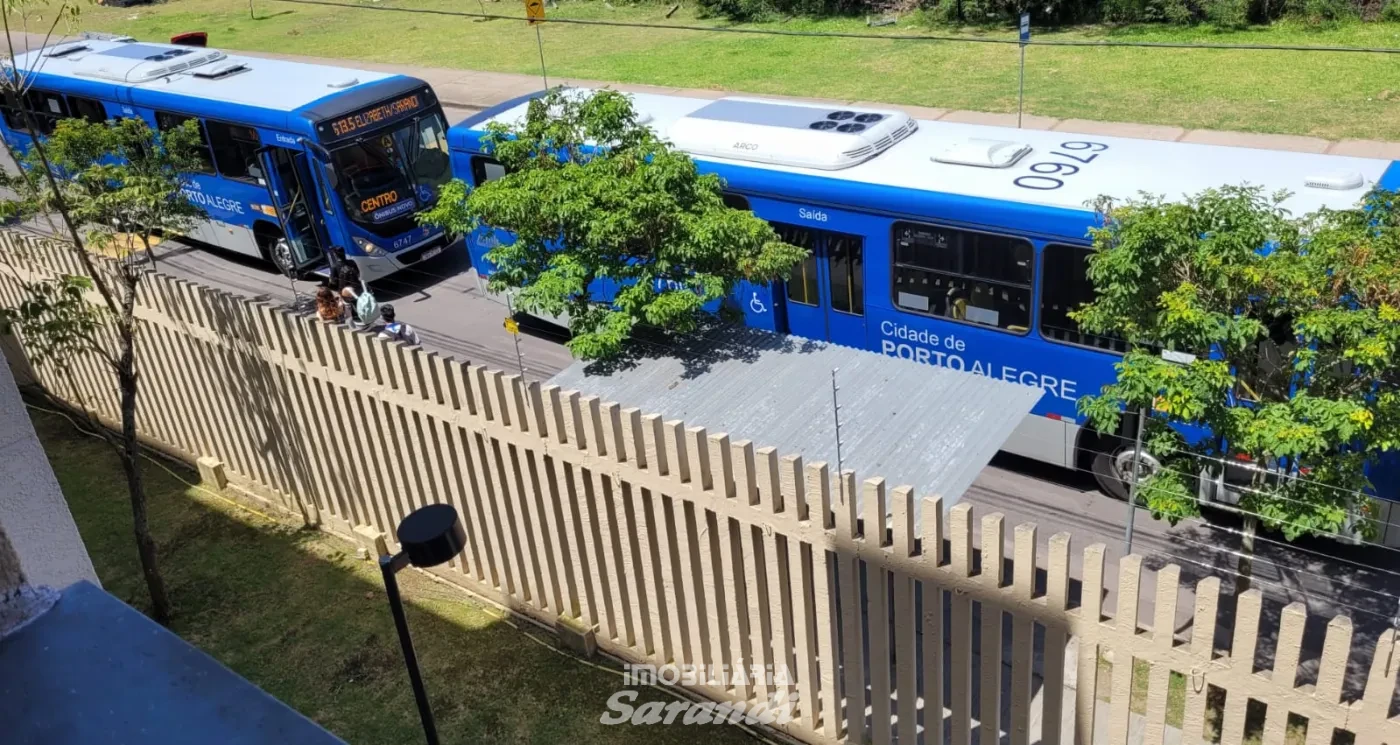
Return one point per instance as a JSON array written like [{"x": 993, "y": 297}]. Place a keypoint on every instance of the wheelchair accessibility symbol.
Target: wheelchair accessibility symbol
[{"x": 756, "y": 305}]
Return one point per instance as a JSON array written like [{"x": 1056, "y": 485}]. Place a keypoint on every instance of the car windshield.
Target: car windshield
[{"x": 394, "y": 172}]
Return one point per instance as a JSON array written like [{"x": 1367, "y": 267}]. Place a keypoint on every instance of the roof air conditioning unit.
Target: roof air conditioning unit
[
  {"x": 142, "y": 63},
  {"x": 1342, "y": 181},
  {"x": 797, "y": 135},
  {"x": 984, "y": 153}
]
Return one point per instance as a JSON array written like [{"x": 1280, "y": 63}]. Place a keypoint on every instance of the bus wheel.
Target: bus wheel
[
  {"x": 1113, "y": 470},
  {"x": 279, "y": 252}
]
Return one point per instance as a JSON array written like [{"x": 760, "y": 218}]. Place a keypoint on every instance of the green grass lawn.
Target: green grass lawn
[
  {"x": 295, "y": 613},
  {"x": 1326, "y": 95}
]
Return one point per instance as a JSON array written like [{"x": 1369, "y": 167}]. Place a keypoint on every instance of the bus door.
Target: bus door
[
  {"x": 826, "y": 293},
  {"x": 287, "y": 174}
]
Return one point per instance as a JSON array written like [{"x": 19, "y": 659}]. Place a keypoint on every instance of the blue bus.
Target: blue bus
[
  {"x": 299, "y": 158},
  {"x": 952, "y": 244}
]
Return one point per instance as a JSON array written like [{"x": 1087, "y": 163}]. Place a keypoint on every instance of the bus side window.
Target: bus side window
[
  {"x": 486, "y": 169},
  {"x": 235, "y": 150},
  {"x": 13, "y": 118},
  {"x": 45, "y": 108},
  {"x": 327, "y": 179},
  {"x": 166, "y": 121},
  {"x": 802, "y": 284},
  {"x": 735, "y": 201},
  {"x": 1065, "y": 286},
  {"x": 89, "y": 109},
  {"x": 964, "y": 275}
]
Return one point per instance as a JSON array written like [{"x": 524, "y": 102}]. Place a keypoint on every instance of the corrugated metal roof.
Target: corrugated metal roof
[{"x": 912, "y": 423}]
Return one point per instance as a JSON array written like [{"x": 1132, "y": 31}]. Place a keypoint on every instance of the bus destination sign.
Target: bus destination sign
[{"x": 379, "y": 113}]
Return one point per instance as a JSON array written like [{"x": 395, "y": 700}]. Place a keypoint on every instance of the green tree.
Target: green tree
[
  {"x": 115, "y": 187},
  {"x": 1292, "y": 326},
  {"x": 590, "y": 193}
]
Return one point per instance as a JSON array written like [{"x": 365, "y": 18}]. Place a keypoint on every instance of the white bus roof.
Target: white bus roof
[
  {"x": 278, "y": 85},
  {"x": 1126, "y": 168}
]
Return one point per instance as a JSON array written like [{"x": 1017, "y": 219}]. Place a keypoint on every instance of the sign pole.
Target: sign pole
[
  {"x": 1133, "y": 486},
  {"x": 1025, "y": 37},
  {"x": 540, "y": 43},
  {"x": 534, "y": 10},
  {"x": 514, "y": 328}
]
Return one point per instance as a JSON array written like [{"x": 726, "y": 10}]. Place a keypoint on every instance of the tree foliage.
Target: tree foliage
[
  {"x": 591, "y": 194},
  {"x": 121, "y": 181},
  {"x": 1294, "y": 325},
  {"x": 117, "y": 187}
]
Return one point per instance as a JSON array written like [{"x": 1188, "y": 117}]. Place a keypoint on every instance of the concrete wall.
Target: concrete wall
[{"x": 33, "y": 513}]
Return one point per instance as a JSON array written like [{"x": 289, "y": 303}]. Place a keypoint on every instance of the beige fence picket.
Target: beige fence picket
[
  {"x": 1125, "y": 624},
  {"x": 1091, "y": 631},
  {"x": 906, "y": 664},
  {"x": 1247, "y": 608},
  {"x": 702, "y": 466},
  {"x": 1330, "y": 672},
  {"x": 847, "y": 572},
  {"x": 1202, "y": 653},
  {"x": 1053, "y": 668},
  {"x": 960, "y": 635},
  {"x": 989, "y": 651},
  {"x": 1022, "y": 635},
  {"x": 1163, "y": 635},
  {"x": 931, "y": 622},
  {"x": 824, "y": 619}
]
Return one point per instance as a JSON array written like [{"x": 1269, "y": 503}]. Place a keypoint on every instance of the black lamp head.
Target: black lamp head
[{"x": 432, "y": 535}]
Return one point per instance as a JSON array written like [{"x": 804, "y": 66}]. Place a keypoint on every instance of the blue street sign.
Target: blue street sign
[{"x": 1025, "y": 27}]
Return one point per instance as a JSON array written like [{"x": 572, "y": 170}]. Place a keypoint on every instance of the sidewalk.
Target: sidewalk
[{"x": 475, "y": 89}]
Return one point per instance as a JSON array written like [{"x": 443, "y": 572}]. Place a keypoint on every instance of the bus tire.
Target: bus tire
[
  {"x": 1113, "y": 463},
  {"x": 275, "y": 249},
  {"x": 1108, "y": 481}
]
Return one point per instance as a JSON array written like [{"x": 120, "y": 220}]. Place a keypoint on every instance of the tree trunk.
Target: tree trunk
[
  {"x": 130, "y": 454},
  {"x": 1246, "y": 562}
]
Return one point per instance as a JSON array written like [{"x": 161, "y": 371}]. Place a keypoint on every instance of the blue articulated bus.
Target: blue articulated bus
[
  {"x": 299, "y": 158},
  {"x": 952, "y": 244}
]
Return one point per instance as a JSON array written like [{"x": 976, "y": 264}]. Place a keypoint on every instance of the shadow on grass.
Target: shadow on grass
[{"x": 298, "y": 615}]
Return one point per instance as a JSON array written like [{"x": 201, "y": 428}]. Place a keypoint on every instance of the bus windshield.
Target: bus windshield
[{"x": 395, "y": 172}]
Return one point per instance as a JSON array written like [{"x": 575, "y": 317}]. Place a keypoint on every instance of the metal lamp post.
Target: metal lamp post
[{"x": 429, "y": 536}]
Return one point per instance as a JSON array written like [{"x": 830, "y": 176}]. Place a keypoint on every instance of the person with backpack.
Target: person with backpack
[
  {"x": 394, "y": 330},
  {"x": 363, "y": 309}
]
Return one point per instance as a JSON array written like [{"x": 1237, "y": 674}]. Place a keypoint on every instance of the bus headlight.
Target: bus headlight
[{"x": 369, "y": 248}]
